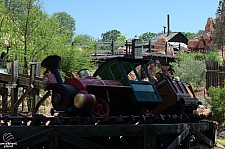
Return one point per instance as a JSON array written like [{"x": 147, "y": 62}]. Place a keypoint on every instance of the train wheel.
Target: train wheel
[{"x": 101, "y": 108}]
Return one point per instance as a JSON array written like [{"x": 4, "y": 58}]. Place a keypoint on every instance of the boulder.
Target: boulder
[
  {"x": 203, "y": 40},
  {"x": 209, "y": 25},
  {"x": 207, "y": 37},
  {"x": 160, "y": 45},
  {"x": 193, "y": 43}
]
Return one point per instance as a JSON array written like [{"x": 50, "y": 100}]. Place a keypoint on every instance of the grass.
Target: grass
[{"x": 221, "y": 141}]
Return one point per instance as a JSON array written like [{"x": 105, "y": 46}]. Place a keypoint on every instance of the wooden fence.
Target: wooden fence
[
  {"x": 215, "y": 75},
  {"x": 128, "y": 47}
]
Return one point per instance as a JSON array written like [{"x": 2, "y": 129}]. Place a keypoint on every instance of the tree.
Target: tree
[
  {"x": 110, "y": 35},
  {"x": 31, "y": 33},
  {"x": 67, "y": 24},
  {"x": 83, "y": 39},
  {"x": 75, "y": 59},
  {"x": 219, "y": 25},
  {"x": 200, "y": 32},
  {"x": 147, "y": 36},
  {"x": 190, "y": 35},
  {"x": 190, "y": 68},
  {"x": 217, "y": 103}
]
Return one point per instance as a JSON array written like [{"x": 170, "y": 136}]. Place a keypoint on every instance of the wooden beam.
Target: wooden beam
[
  {"x": 179, "y": 139},
  {"x": 74, "y": 140},
  {"x": 203, "y": 138},
  {"x": 28, "y": 90},
  {"x": 42, "y": 100},
  {"x": 35, "y": 139}
]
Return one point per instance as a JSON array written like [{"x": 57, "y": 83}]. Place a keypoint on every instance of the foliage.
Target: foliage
[
  {"x": 190, "y": 67},
  {"x": 110, "y": 35},
  {"x": 121, "y": 38},
  {"x": 190, "y": 35},
  {"x": 219, "y": 25},
  {"x": 83, "y": 38},
  {"x": 32, "y": 35},
  {"x": 190, "y": 70},
  {"x": 213, "y": 56},
  {"x": 67, "y": 24},
  {"x": 147, "y": 36},
  {"x": 217, "y": 103},
  {"x": 221, "y": 141},
  {"x": 74, "y": 59}
]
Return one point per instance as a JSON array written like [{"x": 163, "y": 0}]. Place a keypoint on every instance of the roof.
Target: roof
[{"x": 171, "y": 37}]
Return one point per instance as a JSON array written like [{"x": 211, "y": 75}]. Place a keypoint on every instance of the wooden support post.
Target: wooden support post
[
  {"x": 28, "y": 90},
  {"x": 56, "y": 139},
  {"x": 137, "y": 48},
  {"x": 13, "y": 86},
  {"x": 4, "y": 94},
  {"x": 112, "y": 47},
  {"x": 150, "y": 46},
  {"x": 14, "y": 98},
  {"x": 126, "y": 47},
  {"x": 41, "y": 101},
  {"x": 149, "y": 137},
  {"x": 34, "y": 71}
]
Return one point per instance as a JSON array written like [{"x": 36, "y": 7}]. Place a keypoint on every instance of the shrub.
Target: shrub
[
  {"x": 191, "y": 70},
  {"x": 217, "y": 103}
]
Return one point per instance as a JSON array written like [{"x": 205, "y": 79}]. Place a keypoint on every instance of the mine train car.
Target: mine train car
[{"x": 120, "y": 86}]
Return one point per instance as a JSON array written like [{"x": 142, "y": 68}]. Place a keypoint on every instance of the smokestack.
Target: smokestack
[
  {"x": 164, "y": 29},
  {"x": 168, "y": 25}
]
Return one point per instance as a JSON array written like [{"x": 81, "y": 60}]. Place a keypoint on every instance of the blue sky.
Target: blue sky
[{"x": 132, "y": 17}]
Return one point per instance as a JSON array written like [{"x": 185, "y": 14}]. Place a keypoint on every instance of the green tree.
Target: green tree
[
  {"x": 219, "y": 25},
  {"x": 147, "y": 36},
  {"x": 190, "y": 35},
  {"x": 83, "y": 39},
  {"x": 32, "y": 34},
  {"x": 190, "y": 68},
  {"x": 200, "y": 32},
  {"x": 191, "y": 71},
  {"x": 75, "y": 59},
  {"x": 110, "y": 35},
  {"x": 217, "y": 103},
  {"x": 67, "y": 24}
]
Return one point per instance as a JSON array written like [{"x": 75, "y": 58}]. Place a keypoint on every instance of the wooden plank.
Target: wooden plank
[
  {"x": 28, "y": 90},
  {"x": 179, "y": 139},
  {"x": 30, "y": 130},
  {"x": 41, "y": 101},
  {"x": 150, "y": 138},
  {"x": 203, "y": 138},
  {"x": 73, "y": 139},
  {"x": 35, "y": 139},
  {"x": 5, "y": 77},
  {"x": 104, "y": 130},
  {"x": 202, "y": 126}
]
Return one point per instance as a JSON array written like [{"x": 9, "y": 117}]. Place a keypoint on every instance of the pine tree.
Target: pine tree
[{"x": 219, "y": 34}]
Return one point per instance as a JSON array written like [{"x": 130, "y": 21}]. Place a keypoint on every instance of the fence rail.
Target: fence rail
[{"x": 128, "y": 47}]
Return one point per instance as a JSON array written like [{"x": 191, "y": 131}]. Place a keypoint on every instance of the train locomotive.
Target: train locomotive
[{"x": 110, "y": 91}]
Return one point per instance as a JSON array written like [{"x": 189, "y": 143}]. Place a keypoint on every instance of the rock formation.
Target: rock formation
[
  {"x": 160, "y": 46},
  {"x": 200, "y": 42}
]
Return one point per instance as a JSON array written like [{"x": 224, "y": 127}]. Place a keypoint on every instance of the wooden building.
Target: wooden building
[{"x": 171, "y": 37}]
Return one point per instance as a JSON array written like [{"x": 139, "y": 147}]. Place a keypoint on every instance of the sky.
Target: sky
[{"x": 134, "y": 17}]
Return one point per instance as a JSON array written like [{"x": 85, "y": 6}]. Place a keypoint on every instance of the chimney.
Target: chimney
[
  {"x": 168, "y": 25},
  {"x": 164, "y": 29}
]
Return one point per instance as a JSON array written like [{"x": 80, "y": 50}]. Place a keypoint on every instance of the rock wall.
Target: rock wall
[{"x": 202, "y": 41}]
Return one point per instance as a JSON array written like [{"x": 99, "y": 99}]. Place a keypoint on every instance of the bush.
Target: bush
[
  {"x": 217, "y": 103},
  {"x": 191, "y": 70}
]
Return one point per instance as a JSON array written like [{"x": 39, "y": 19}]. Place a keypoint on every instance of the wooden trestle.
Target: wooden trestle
[{"x": 38, "y": 131}]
